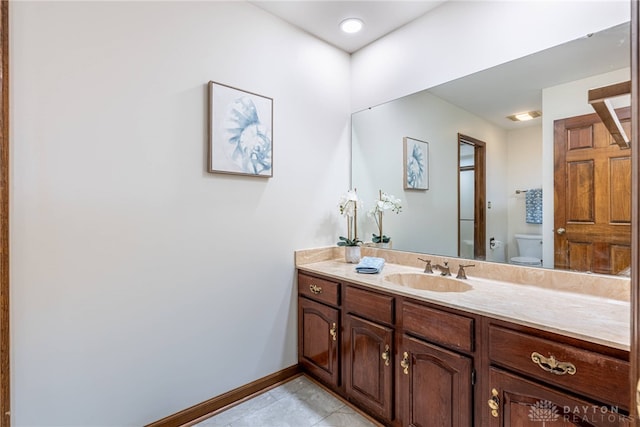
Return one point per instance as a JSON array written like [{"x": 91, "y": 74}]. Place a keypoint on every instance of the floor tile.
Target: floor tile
[
  {"x": 232, "y": 414},
  {"x": 296, "y": 403},
  {"x": 287, "y": 412},
  {"x": 345, "y": 417},
  {"x": 290, "y": 387}
]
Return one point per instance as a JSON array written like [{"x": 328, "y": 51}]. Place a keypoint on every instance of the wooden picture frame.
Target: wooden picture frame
[
  {"x": 415, "y": 164},
  {"x": 240, "y": 132}
]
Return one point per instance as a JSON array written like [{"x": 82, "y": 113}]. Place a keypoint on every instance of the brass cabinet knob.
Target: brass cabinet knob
[
  {"x": 333, "y": 331},
  {"x": 405, "y": 363},
  {"x": 386, "y": 355},
  {"x": 494, "y": 403}
]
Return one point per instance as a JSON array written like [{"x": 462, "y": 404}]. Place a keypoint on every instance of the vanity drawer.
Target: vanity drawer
[
  {"x": 370, "y": 305},
  {"x": 318, "y": 289},
  {"x": 596, "y": 375},
  {"x": 440, "y": 327}
]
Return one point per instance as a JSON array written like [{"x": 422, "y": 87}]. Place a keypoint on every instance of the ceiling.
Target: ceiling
[
  {"x": 492, "y": 94},
  {"x": 516, "y": 86},
  {"x": 322, "y": 18}
]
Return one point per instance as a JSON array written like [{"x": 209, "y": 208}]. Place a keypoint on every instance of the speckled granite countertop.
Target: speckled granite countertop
[{"x": 593, "y": 318}]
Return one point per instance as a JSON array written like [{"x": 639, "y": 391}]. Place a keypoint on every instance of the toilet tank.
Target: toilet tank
[{"x": 529, "y": 245}]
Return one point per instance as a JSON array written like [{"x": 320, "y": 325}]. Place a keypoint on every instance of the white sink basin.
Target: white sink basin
[{"x": 428, "y": 282}]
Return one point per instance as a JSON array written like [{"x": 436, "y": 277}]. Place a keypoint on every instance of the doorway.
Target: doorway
[{"x": 471, "y": 198}]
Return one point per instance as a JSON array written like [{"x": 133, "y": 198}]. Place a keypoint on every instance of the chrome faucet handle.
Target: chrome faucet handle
[
  {"x": 427, "y": 268},
  {"x": 461, "y": 272}
]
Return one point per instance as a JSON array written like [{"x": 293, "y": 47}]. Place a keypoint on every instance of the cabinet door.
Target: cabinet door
[
  {"x": 516, "y": 402},
  {"x": 434, "y": 386},
  {"x": 318, "y": 338},
  {"x": 369, "y": 371}
]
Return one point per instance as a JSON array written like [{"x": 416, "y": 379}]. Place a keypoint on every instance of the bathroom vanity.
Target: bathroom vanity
[{"x": 482, "y": 353}]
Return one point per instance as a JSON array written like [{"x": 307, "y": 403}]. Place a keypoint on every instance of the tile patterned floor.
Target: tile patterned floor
[{"x": 297, "y": 403}]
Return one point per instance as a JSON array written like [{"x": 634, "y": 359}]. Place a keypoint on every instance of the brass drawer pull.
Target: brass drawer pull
[
  {"x": 550, "y": 364},
  {"x": 333, "y": 331},
  {"x": 315, "y": 289},
  {"x": 405, "y": 363},
  {"x": 494, "y": 403},
  {"x": 386, "y": 355}
]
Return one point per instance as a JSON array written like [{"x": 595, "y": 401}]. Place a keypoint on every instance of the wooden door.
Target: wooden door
[
  {"x": 592, "y": 196},
  {"x": 369, "y": 365},
  {"x": 518, "y": 402},
  {"x": 318, "y": 337},
  {"x": 434, "y": 386}
]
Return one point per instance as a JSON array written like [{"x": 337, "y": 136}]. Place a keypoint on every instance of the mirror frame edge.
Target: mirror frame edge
[
  {"x": 5, "y": 379},
  {"x": 635, "y": 211}
]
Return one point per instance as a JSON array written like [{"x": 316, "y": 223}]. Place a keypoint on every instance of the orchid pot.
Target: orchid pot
[{"x": 348, "y": 206}]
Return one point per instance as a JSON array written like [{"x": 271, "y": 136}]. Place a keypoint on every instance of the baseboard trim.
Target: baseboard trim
[{"x": 189, "y": 415}]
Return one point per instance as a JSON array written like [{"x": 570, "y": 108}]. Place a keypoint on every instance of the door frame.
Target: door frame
[
  {"x": 480, "y": 195},
  {"x": 5, "y": 397}
]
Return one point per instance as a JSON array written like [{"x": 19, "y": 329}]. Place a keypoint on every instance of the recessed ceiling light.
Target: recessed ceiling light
[
  {"x": 351, "y": 25},
  {"x": 523, "y": 117}
]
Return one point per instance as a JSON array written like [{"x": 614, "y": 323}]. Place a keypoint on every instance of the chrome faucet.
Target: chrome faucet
[
  {"x": 444, "y": 269},
  {"x": 427, "y": 268},
  {"x": 461, "y": 272}
]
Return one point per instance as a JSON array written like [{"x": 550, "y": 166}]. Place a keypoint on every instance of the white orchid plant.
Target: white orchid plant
[
  {"x": 385, "y": 202},
  {"x": 349, "y": 205}
]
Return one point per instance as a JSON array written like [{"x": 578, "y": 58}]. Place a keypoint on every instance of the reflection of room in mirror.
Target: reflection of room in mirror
[{"x": 519, "y": 155}]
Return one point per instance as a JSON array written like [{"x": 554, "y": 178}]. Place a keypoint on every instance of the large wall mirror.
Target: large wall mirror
[{"x": 522, "y": 166}]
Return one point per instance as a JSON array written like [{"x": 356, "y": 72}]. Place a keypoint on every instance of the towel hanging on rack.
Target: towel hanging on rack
[{"x": 533, "y": 206}]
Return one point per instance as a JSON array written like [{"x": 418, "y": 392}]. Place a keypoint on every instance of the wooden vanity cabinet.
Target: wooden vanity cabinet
[
  {"x": 434, "y": 385},
  {"x": 368, "y": 352},
  {"x": 434, "y": 375},
  {"x": 519, "y": 402},
  {"x": 412, "y": 363},
  {"x": 540, "y": 376},
  {"x": 319, "y": 328}
]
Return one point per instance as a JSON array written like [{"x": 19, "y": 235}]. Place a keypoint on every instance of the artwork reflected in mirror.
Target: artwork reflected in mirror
[
  {"x": 416, "y": 164},
  {"x": 520, "y": 160}
]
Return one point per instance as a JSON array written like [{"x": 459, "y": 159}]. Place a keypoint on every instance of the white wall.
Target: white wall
[
  {"x": 560, "y": 102},
  {"x": 524, "y": 148},
  {"x": 461, "y": 37},
  {"x": 429, "y": 220},
  {"x": 140, "y": 284}
]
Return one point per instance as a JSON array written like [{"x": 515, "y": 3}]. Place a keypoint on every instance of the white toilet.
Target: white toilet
[{"x": 529, "y": 250}]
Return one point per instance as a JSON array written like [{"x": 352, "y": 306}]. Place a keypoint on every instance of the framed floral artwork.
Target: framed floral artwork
[
  {"x": 240, "y": 132},
  {"x": 416, "y": 164}
]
